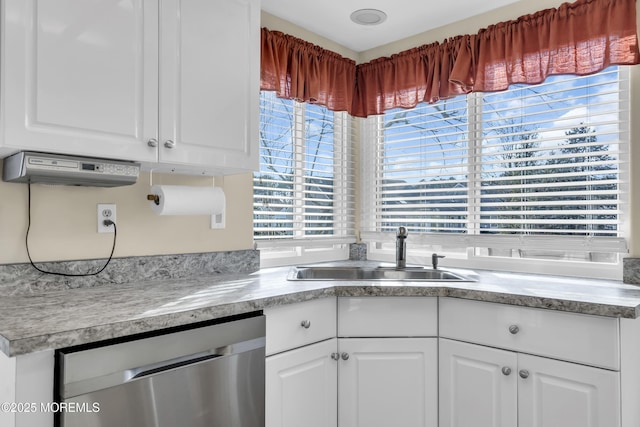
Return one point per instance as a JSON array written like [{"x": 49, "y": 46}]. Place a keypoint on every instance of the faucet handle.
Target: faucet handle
[{"x": 434, "y": 260}]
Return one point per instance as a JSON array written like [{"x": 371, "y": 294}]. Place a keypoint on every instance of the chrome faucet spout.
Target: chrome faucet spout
[{"x": 401, "y": 248}]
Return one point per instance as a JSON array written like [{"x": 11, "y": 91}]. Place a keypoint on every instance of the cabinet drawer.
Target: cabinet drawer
[
  {"x": 388, "y": 317},
  {"x": 295, "y": 325},
  {"x": 592, "y": 340}
]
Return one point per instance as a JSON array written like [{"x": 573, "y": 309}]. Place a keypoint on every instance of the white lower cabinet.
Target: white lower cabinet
[
  {"x": 369, "y": 382},
  {"x": 428, "y": 362},
  {"x": 552, "y": 393},
  {"x": 301, "y": 369},
  {"x": 385, "y": 382},
  {"x": 302, "y": 387},
  {"x": 473, "y": 390},
  {"x": 388, "y": 370},
  {"x": 484, "y": 386},
  {"x": 358, "y": 379}
]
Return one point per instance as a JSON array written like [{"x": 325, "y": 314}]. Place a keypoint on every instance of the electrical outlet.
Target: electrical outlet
[{"x": 106, "y": 211}]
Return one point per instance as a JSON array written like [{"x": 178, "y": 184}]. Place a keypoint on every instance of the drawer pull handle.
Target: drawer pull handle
[
  {"x": 305, "y": 324},
  {"x": 152, "y": 142},
  {"x": 335, "y": 356},
  {"x": 506, "y": 370},
  {"x": 345, "y": 356},
  {"x": 169, "y": 144},
  {"x": 524, "y": 374},
  {"x": 514, "y": 329}
]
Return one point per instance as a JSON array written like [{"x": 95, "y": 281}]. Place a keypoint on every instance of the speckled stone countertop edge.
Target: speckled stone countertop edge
[
  {"x": 96, "y": 333},
  {"x": 244, "y": 294},
  {"x": 576, "y": 307},
  {"x": 567, "y": 305}
]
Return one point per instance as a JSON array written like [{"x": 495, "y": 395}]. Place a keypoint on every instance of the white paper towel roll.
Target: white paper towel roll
[{"x": 185, "y": 200}]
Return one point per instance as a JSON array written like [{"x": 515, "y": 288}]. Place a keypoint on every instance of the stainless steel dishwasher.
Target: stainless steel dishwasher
[{"x": 211, "y": 376}]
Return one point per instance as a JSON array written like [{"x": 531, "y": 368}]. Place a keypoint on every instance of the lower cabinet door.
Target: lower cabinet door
[
  {"x": 388, "y": 382},
  {"x": 478, "y": 386},
  {"x": 301, "y": 387},
  {"x": 552, "y": 393}
]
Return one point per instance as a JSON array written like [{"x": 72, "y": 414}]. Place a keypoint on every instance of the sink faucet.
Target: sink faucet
[{"x": 401, "y": 248}]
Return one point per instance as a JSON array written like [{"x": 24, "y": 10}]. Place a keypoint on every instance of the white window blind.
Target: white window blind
[
  {"x": 423, "y": 168},
  {"x": 303, "y": 194},
  {"x": 534, "y": 168},
  {"x": 550, "y": 157}
]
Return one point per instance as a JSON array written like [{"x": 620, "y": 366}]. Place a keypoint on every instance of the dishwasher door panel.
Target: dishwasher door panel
[{"x": 227, "y": 391}]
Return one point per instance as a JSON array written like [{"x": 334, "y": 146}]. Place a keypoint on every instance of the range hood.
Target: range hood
[{"x": 44, "y": 168}]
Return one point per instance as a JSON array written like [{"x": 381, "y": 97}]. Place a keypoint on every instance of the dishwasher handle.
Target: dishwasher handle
[
  {"x": 182, "y": 361},
  {"x": 125, "y": 375},
  {"x": 156, "y": 368}
]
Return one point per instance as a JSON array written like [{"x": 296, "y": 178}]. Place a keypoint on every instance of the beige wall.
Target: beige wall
[
  {"x": 467, "y": 26},
  {"x": 64, "y": 218},
  {"x": 63, "y": 223},
  {"x": 276, "y": 24}
]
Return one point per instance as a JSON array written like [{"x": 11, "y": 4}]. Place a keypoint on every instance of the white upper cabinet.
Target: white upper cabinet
[
  {"x": 209, "y": 83},
  {"x": 80, "y": 77},
  {"x": 171, "y": 84}
]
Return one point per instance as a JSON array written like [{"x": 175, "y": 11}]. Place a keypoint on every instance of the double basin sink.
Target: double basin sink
[{"x": 409, "y": 274}]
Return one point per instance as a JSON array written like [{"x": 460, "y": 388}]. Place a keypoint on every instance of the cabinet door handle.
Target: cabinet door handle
[
  {"x": 335, "y": 356},
  {"x": 514, "y": 329},
  {"x": 152, "y": 142},
  {"x": 524, "y": 374},
  {"x": 506, "y": 370},
  {"x": 305, "y": 324},
  {"x": 169, "y": 144},
  {"x": 345, "y": 356}
]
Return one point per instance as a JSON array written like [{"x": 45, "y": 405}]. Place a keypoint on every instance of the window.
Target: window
[
  {"x": 303, "y": 194},
  {"x": 535, "y": 172}
]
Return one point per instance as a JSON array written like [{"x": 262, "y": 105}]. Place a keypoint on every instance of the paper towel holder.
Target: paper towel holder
[
  {"x": 154, "y": 197},
  {"x": 218, "y": 221}
]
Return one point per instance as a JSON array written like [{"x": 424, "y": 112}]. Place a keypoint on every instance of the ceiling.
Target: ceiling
[{"x": 405, "y": 18}]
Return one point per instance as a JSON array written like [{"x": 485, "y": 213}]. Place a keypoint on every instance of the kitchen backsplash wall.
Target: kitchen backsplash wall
[
  {"x": 23, "y": 279},
  {"x": 64, "y": 221}
]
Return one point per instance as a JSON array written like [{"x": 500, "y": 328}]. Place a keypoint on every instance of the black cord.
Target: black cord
[{"x": 106, "y": 222}]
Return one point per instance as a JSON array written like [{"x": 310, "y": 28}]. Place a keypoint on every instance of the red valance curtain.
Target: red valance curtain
[
  {"x": 299, "y": 70},
  {"x": 578, "y": 38},
  {"x": 407, "y": 78}
]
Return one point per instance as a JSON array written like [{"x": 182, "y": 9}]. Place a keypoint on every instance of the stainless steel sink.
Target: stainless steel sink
[{"x": 414, "y": 274}]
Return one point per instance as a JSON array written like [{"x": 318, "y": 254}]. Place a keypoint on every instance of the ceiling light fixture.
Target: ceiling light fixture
[{"x": 368, "y": 16}]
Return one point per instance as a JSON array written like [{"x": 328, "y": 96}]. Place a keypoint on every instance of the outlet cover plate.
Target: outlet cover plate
[{"x": 106, "y": 211}]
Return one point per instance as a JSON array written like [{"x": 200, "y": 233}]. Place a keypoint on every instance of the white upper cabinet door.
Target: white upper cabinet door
[
  {"x": 478, "y": 386},
  {"x": 209, "y": 84},
  {"x": 385, "y": 382},
  {"x": 80, "y": 77},
  {"x": 552, "y": 393}
]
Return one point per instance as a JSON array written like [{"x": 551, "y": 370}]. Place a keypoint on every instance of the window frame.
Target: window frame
[
  {"x": 301, "y": 247},
  {"x": 422, "y": 245}
]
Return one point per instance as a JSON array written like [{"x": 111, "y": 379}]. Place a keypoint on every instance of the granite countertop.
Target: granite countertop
[{"x": 63, "y": 318}]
